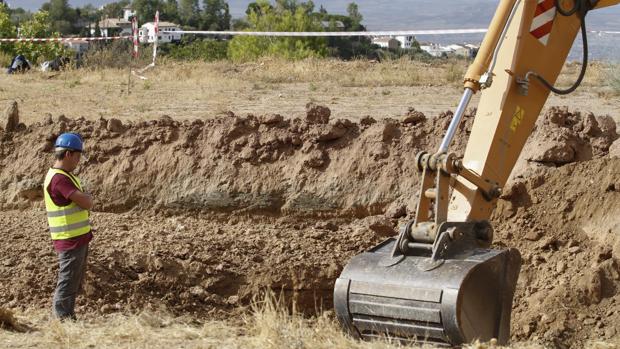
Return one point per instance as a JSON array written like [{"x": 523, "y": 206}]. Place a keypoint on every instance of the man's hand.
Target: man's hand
[{"x": 81, "y": 199}]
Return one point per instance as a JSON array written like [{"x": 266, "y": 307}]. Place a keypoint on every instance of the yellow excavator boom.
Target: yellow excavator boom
[{"x": 538, "y": 41}]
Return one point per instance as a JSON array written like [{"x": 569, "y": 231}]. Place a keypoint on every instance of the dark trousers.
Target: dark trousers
[{"x": 72, "y": 267}]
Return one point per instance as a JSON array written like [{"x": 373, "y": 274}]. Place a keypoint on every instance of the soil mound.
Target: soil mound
[
  {"x": 566, "y": 223},
  {"x": 261, "y": 164},
  {"x": 563, "y": 137}
]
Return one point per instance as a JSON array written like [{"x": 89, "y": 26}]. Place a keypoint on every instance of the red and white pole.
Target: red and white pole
[{"x": 134, "y": 33}]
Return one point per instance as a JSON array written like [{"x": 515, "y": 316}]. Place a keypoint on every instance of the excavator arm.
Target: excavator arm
[
  {"x": 439, "y": 281},
  {"x": 536, "y": 42}
]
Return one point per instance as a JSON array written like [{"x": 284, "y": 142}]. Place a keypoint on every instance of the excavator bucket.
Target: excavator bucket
[{"x": 457, "y": 300}]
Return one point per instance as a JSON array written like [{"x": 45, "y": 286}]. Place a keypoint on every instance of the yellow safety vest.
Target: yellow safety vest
[{"x": 69, "y": 221}]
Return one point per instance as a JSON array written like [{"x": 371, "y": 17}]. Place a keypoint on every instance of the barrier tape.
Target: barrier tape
[
  {"x": 374, "y": 33},
  {"x": 284, "y": 34},
  {"x": 301, "y": 34},
  {"x": 604, "y": 32},
  {"x": 324, "y": 34},
  {"x": 62, "y": 39}
]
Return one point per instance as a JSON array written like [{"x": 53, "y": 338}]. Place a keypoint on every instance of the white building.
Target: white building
[
  {"x": 393, "y": 42},
  {"x": 458, "y": 50},
  {"x": 436, "y": 50},
  {"x": 115, "y": 26},
  {"x": 166, "y": 32},
  {"x": 386, "y": 42},
  {"x": 128, "y": 13},
  {"x": 473, "y": 50},
  {"x": 406, "y": 41},
  {"x": 467, "y": 50},
  {"x": 112, "y": 27}
]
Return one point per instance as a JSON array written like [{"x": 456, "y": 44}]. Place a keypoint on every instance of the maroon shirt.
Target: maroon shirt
[{"x": 60, "y": 189}]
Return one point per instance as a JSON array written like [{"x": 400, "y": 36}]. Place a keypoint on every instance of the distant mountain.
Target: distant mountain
[{"x": 400, "y": 14}]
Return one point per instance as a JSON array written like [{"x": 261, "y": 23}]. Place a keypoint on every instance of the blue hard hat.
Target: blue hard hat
[{"x": 71, "y": 141}]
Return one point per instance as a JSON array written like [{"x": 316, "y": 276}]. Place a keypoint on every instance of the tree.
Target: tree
[
  {"x": 61, "y": 15},
  {"x": 114, "y": 9},
  {"x": 19, "y": 15},
  {"x": 226, "y": 19},
  {"x": 216, "y": 15},
  {"x": 239, "y": 24},
  {"x": 170, "y": 11},
  {"x": 58, "y": 9},
  {"x": 145, "y": 9},
  {"x": 282, "y": 17},
  {"x": 85, "y": 17},
  {"x": 87, "y": 13},
  {"x": 189, "y": 12},
  {"x": 97, "y": 33},
  {"x": 7, "y": 29},
  {"x": 286, "y": 5},
  {"x": 39, "y": 26},
  {"x": 254, "y": 7},
  {"x": 355, "y": 16},
  {"x": 308, "y": 6}
]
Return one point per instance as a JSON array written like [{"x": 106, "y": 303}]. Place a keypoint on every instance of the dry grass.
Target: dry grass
[
  {"x": 454, "y": 72},
  {"x": 357, "y": 73},
  {"x": 5, "y": 60},
  {"x": 596, "y": 75},
  {"x": 268, "y": 325},
  {"x": 201, "y": 90}
]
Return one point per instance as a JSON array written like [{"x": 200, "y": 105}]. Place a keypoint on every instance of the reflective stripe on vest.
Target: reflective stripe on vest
[
  {"x": 64, "y": 212},
  {"x": 69, "y": 221}
]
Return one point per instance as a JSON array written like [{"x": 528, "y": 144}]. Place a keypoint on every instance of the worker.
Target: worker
[{"x": 67, "y": 206}]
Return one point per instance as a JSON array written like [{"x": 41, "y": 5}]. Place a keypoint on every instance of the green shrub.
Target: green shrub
[
  {"x": 268, "y": 18},
  {"x": 40, "y": 27},
  {"x": 7, "y": 30}
]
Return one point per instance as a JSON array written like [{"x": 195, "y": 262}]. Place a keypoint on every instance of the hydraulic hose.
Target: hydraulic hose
[{"x": 581, "y": 7}]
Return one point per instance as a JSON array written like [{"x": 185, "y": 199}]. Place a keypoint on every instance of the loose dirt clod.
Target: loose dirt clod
[
  {"x": 317, "y": 114},
  {"x": 9, "y": 322},
  {"x": 10, "y": 118}
]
